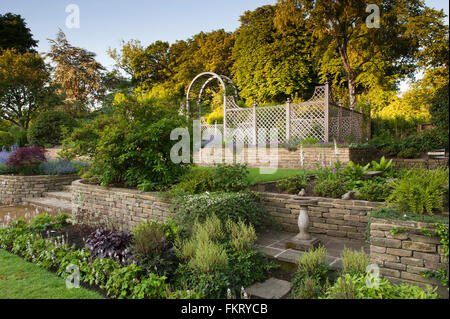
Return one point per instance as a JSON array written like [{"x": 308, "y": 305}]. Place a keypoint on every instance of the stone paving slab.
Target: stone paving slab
[{"x": 272, "y": 288}]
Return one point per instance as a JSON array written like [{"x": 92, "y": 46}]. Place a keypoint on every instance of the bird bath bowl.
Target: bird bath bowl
[{"x": 303, "y": 240}]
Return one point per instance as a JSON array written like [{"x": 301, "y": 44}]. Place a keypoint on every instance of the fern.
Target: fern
[{"x": 420, "y": 191}]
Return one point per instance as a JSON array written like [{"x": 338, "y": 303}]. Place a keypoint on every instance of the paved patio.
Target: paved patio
[{"x": 273, "y": 243}]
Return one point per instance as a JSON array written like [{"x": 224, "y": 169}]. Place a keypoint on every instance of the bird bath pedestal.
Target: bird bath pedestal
[{"x": 303, "y": 240}]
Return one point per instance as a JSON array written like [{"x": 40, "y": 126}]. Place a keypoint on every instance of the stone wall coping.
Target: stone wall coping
[
  {"x": 32, "y": 177},
  {"x": 403, "y": 223},
  {"x": 78, "y": 183},
  {"x": 349, "y": 202}
]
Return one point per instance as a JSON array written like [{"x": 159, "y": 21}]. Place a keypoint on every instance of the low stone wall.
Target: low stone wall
[
  {"x": 124, "y": 208},
  {"x": 404, "y": 255},
  {"x": 404, "y": 163},
  {"x": 280, "y": 157},
  {"x": 332, "y": 217},
  {"x": 14, "y": 188}
]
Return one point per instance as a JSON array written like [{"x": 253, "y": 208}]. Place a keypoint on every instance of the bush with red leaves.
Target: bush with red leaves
[{"x": 26, "y": 160}]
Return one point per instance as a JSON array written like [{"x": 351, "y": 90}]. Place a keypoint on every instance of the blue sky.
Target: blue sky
[{"x": 104, "y": 23}]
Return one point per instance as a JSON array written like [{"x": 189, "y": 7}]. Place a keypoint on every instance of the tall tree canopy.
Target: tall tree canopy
[
  {"x": 161, "y": 66},
  {"x": 25, "y": 86},
  {"x": 272, "y": 64},
  {"x": 78, "y": 74},
  {"x": 367, "y": 56},
  {"x": 14, "y": 34}
]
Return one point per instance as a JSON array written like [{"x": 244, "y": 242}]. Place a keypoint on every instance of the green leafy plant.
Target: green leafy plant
[
  {"x": 354, "y": 262},
  {"x": 420, "y": 191},
  {"x": 383, "y": 166},
  {"x": 293, "y": 185},
  {"x": 47, "y": 129},
  {"x": 355, "y": 287},
  {"x": 230, "y": 178},
  {"x": 311, "y": 276},
  {"x": 376, "y": 189},
  {"x": 6, "y": 140},
  {"x": 234, "y": 206}
]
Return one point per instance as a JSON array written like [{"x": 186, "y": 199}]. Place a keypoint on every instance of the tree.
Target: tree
[
  {"x": 78, "y": 74},
  {"x": 25, "y": 87},
  {"x": 365, "y": 54},
  {"x": 271, "y": 64},
  {"x": 163, "y": 67},
  {"x": 440, "y": 112},
  {"x": 14, "y": 34},
  {"x": 146, "y": 66}
]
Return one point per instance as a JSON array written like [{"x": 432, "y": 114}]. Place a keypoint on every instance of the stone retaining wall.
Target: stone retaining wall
[
  {"x": 280, "y": 157},
  {"x": 124, "y": 208},
  {"x": 404, "y": 163},
  {"x": 332, "y": 217},
  {"x": 404, "y": 255},
  {"x": 14, "y": 188}
]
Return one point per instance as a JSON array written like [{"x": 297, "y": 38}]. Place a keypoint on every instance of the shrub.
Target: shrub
[
  {"x": 47, "y": 129},
  {"x": 234, "y": 206},
  {"x": 104, "y": 243},
  {"x": 332, "y": 187},
  {"x": 439, "y": 113},
  {"x": 4, "y": 125},
  {"x": 122, "y": 281},
  {"x": 151, "y": 287},
  {"x": 311, "y": 276},
  {"x": 6, "y": 140},
  {"x": 375, "y": 189},
  {"x": 420, "y": 191},
  {"x": 409, "y": 152},
  {"x": 219, "y": 256},
  {"x": 355, "y": 287},
  {"x": 20, "y": 136},
  {"x": 26, "y": 160},
  {"x": 354, "y": 262},
  {"x": 44, "y": 222},
  {"x": 137, "y": 153},
  {"x": 293, "y": 185},
  {"x": 151, "y": 245},
  {"x": 83, "y": 140},
  {"x": 196, "y": 180},
  {"x": 230, "y": 178}
]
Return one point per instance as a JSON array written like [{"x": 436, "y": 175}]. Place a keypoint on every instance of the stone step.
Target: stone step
[
  {"x": 272, "y": 288},
  {"x": 50, "y": 204},
  {"x": 67, "y": 188},
  {"x": 59, "y": 195}
]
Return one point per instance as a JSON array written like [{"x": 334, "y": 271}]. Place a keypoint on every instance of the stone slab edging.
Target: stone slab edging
[
  {"x": 405, "y": 253},
  {"x": 14, "y": 188}
]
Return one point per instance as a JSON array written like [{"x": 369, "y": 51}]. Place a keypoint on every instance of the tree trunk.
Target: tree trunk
[{"x": 352, "y": 89}]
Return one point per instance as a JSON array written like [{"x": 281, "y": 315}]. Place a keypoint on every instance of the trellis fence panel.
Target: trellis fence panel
[{"x": 319, "y": 118}]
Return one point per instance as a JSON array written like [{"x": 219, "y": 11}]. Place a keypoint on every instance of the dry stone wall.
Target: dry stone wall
[
  {"x": 14, "y": 188},
  {"x": 280, "y": 157},
  {"x": 332, "y": 217},
  {"x": 403, "y": 251},
  {"x": 124, "y": 208}
]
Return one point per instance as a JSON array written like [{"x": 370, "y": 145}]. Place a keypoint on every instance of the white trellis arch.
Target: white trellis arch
[{"x": 319, "y": 117}]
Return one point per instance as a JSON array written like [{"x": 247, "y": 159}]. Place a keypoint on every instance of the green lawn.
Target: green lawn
[
  {"x": 256, "y": 177},
  {"x": 20, "y": 279}
]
